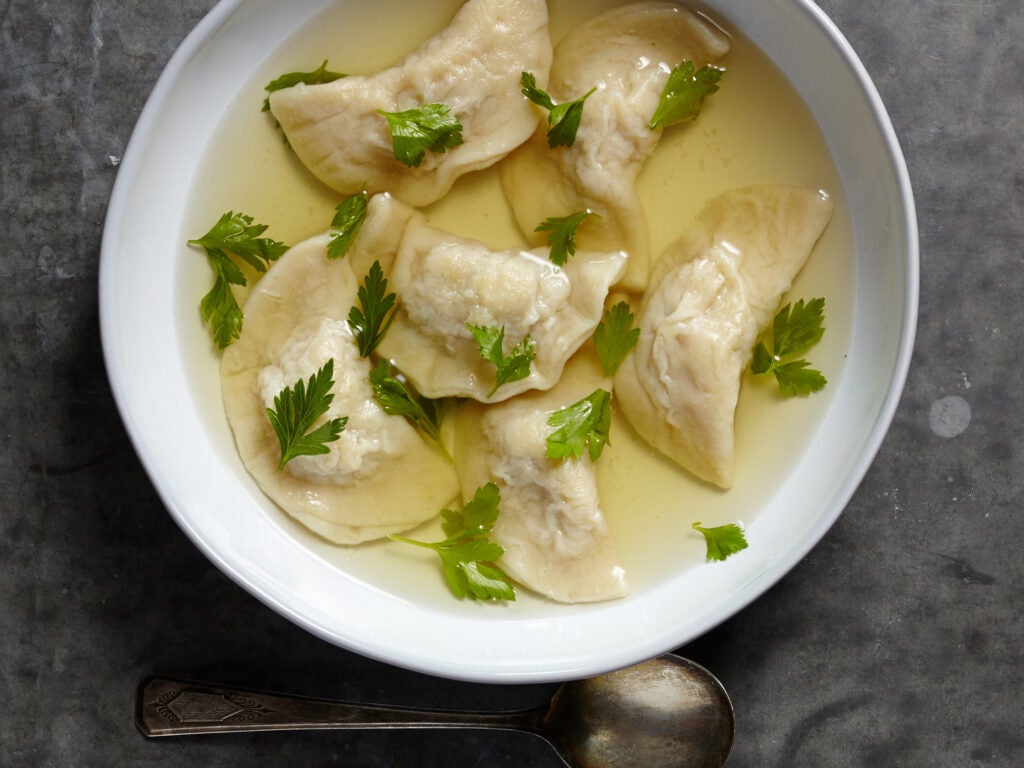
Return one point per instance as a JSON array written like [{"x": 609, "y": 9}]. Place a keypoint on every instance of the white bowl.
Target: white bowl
[{"x": 168, "y": 393}]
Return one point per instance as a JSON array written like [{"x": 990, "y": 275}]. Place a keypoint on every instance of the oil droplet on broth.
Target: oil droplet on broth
[{"x": 755, "y": 130}]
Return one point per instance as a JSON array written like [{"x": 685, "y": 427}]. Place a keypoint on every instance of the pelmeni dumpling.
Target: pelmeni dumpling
[
  {"x": 380, "y": 234},
  {"x": 711, "y": 294},
  {"x": 550, "y": 523},
  {"x": 473, "y": 67},
  {"x": 627, "y": 54},
  {"x": 380, "y": 476},
  {"x": 444, "y": 281}
]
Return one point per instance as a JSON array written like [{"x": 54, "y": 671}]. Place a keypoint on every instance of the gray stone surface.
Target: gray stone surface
[{"x": 897, "y": 642}]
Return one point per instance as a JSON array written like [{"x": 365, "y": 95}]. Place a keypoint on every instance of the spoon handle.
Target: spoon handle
[{"x": 169, "y": 707}]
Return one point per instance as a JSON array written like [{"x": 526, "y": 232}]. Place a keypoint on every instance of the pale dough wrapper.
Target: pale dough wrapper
[
  {"x": 627, "y": 53},
  {"x": 711, "y": 294},
  {"x": 444, "y": 281},
  {"x": 381, "y": 476},
  {"x": 550, "y": 523},
  {"x": 380, "y": 235},
  {"x": 473, "y": 66}
]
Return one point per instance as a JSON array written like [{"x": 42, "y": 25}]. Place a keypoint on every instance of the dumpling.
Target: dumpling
[
  {"x": 710, "y": 296},
  {"x": 380, "y": 234},
  {"x": 444, "y": 281},
  {"x": 380, "y": 476},
  {"x": 473, "y": 67},
  {"x": 550, "y": 522},
  {"x": 627, "y": 53}
]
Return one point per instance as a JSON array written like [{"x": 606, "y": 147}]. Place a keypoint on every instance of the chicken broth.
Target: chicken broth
[{"x": 755, "y": 130}]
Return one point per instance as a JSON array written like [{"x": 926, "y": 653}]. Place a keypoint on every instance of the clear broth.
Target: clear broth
[{"x": 756, "y": 129}]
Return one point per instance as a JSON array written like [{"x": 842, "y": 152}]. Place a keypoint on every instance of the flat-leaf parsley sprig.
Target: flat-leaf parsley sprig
[
  {"x": 582, "y": 426},
  {"x": 563, "y": 119},
  {"x": 468, "y": 556},
  {"x": 684, "y": 94},
  {"x": 508, "y": 368},
  {"x": 562, "y": 234},
  {"x": 414, "y": 132},
  {"x": 348, "y": 220},
  {"x": 392, "y": 394},
  {"x": 794, "y": 331},
  {"x": 722, "y": 540},
  {"x": 615, "y": 336},
  {"x": 372, "y": 318},
  {"x": 234, "y": 234},
  {"x": 318, "y": 76},
  {"x": 295, "y": 411}
]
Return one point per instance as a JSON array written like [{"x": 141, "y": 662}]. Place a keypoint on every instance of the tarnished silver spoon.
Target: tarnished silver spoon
[{"x": 664, "y": 713}]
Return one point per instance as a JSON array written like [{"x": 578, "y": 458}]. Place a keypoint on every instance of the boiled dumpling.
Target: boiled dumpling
[
  {"x": 473, "y": 67},
  {"x": 380, "y": 476},
  {"x": 444, "y": 281},
  {"x": 711, "y": 294},
  {"x": 627, "y": 53},
  {"x": 380, "y": 234},
  {"x": 550, "y": 522}
]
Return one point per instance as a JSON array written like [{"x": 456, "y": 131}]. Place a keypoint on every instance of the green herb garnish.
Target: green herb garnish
[
  {"x": 562, "y": 234},
  {"x": 372, "y": 318},
  {"x": 396, "y": 399},
  {"x": 468, "y": 556},
  {"x": 509, "y": 368},
  {"x": 684, "y": 94},
  {"x": 615, "y": 336},
  {"x": 232, "y": 235},
  {"x": 794, "y": 331},
  {"x": 584, "y": 425},
  {"x": 723, "y": 540},
  {"x": 417, "y": 131},
  {"x": 318, "y": 76},
  {"x": 348, "y": 218},
  {"x": 563, "y": 119},
  {"x": 295, "y": 411}
]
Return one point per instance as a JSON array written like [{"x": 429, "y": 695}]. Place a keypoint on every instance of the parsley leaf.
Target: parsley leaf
[
  {"x": 615, "y": 336},
  {"x": 395, "y": 398},
  {"x": 799, "y": 328},
  {"x": 415, "y": 131},
  {"x": 798, "y": 378},
  {"x": 794, "y": 331},
  {"x": 515, "y": 366},
  {"x": 297, "y": 408},
  {"x": 348, "y": 218},
  {"x": 584, "y": 425},
  {"x": 236, "y": 234},
  {"x": 684, "y": 94},
  {"x": 723, "y": 540},
  {"x": 467, "y": 554},
  {"x": 562, "y": 234},
  {"x": 233, "y": 234},
  {"x": 319, "y": 75},
  {"x": 371, "y": 320},
  {"x": 219, "y": 308},
  {"x": 563, "y": 119}
]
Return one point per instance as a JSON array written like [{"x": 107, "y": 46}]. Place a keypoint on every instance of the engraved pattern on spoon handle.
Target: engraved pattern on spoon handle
[{"x": 169, "y": 707}]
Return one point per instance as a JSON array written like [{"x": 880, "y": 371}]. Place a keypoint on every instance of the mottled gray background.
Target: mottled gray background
[{"x": 897, "y": 642}]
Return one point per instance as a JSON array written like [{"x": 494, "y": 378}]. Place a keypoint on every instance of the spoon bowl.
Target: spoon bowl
[{"x": 664, "y": 713}]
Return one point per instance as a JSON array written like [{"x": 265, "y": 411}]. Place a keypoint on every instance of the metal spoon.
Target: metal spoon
[{"x": 664, "y": 713}]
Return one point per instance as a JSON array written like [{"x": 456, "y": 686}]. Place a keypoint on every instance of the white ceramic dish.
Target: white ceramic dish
[{"x": 182, "y": 440}]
